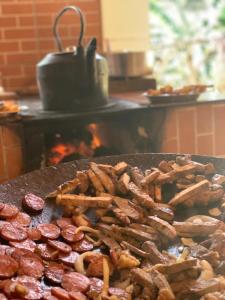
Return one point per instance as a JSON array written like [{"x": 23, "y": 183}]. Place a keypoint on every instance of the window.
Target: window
[{"x": 185, "y": 38}]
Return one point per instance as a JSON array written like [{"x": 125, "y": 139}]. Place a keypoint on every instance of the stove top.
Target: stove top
[{"x": 32, "y": 111}]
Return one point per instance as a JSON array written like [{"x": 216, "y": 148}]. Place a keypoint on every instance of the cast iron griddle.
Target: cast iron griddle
[{"x": 42, "y": 182}]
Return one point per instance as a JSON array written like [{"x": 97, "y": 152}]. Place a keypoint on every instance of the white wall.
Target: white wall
[{"x": 125, "y": 25}]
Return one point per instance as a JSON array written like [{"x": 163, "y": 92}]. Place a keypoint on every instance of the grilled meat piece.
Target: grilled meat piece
[
  {"x": 123, "y": 183},
  {"x": 137, "y": 234},
  {"x": 95, "y": 181},
  {"x": 189, "y": 195},
  {"x": 104, "y": 178},
  {"x": 149, "y": 178},
  {"x": 162, "y": 226},
  {"x": 120, "y": 167},
  {"x": 155, "y": 256},
  {"x": 127, "y": 209},
  {"x": 121, "y": 216},
  {"x": 188, "y": 229},
  {"x": 82, "y": 200},
  {"x": 141, "y": 277},
  {"x": 136, "y": 176},
  {"x": 164, "y": 166},
  {"x": 177, "y": 267},
  {"x": 142, "y": 197},
  {"x": 162, "y": 211},
  {"x": 165, "y": 291}
]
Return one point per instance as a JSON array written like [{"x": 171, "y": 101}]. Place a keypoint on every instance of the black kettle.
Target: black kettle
[{"x": 75, "y": 80}]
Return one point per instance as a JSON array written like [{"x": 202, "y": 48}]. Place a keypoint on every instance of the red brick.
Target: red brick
[
  {"x": 9, "y": 46},
  {"x": 219, "y": 117},
  {"x": 29, "y": 70},
  {"x": 204, "y": 118},
  {"x": 17, "y": 8},
  {"x": 21, "y": 58},
  {"x": 169, "y": 146},
  {"x": 93, "y": 29},
  {"x": 16, "y": 84},
  {"x": 186, "y": 125},
  {"x": 93, "y": 18},
  {"x": 11, "y": 70},
  {"x": 34, "y": 21},
  {"x": 55, "y": 7},
  {"x": 3, "y": 173},
  {"x": 87, "y": 6},
  {"x": 2, "y": 59},
  {"x": 7, "y": 21},
  {"x": 44, "y": 20},
  {"x": 20, "y": 33},
  {"x": 170, "y": 127},
  {"x": 26, "y": 21},
  {"x": 29, "y": 45},
  {"x": 11, "y": 135},
  {"x": 47, "y": 45},
  {"x": 205, "y": 144},
  {"x": 47, "y": 7},
  {"x": 15, "y": 163},
  {"x": 47, "y": 32}
]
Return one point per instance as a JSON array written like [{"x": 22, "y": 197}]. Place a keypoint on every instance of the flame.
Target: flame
[
  {"x": 96, "y": 139},
  {"x": 61, "y": 150}
]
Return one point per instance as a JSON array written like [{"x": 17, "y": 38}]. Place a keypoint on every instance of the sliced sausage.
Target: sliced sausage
[
  {"x": 21, "y": 219},
  {"x": 18, "y": 253},
  {"x": 33, "y": 203},
  {"x": 82, "y": 246},
  {"x": 77, "y": 296},
  {"x": 33, "y": 287},
  {"x": 3, "y": 297},
  {"x": 2, "y": 223},
  {"x": 63, "y": 222},
  {"x": 8, "y": 287},
  {"x": 95, "y": 287},
  {"x": 54, "y": 273},
  {"x": 60, "y": 293},
  {"x": 8, "y": 266},
  {"x": 69, "y": 234},
  {"x": 8, "y": 211},
  {"x": 49, "y": 231},
  {"x": 5, "y": 249},
  {"x": 69, "y": 259},
  {"x": 31, "y": 265},
  {"x": 48, "y": 296},
  {"x": 26, "y": 244},
  {"x": 75, "y": 282},
  {"x": 121, "y": 294},
  {"x": 34, "y": 234},
  {"x": 12, "y": 233},
  {"x": 47, "y": 252},
  {"x": 62, "y": 247}
]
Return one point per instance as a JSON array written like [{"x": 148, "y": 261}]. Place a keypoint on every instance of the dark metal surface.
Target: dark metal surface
[{"x": 42, "y": 182}]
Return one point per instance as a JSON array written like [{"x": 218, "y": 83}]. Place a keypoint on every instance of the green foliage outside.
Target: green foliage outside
[{"x": 185, "y": 38}]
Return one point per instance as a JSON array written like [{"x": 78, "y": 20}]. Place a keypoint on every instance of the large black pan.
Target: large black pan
[{"x": 44, "y": 181}]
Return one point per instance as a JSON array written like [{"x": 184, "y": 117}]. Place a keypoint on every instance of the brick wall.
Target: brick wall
[
  {"x": 195, "y": 129},
  {"x": 26, "y": 35}
]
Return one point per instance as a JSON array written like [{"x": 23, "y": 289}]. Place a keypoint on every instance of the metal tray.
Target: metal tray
[{"x": 168, "y": 99}]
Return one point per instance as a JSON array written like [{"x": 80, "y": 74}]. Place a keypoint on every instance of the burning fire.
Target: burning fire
[
  {"x": 96, "y": 139},
  {"x": 62, "y": 150}
]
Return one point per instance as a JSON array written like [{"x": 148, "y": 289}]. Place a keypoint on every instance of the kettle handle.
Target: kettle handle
[{"x": 55, "y": 31}]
